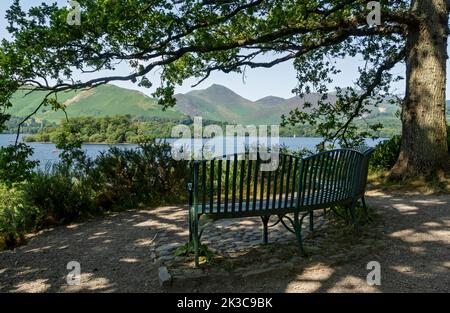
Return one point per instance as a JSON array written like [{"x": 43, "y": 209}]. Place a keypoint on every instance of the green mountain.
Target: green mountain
[
  {"x": 105, "y": 100},
  {"x": 222, "y": 104},
  {"x": 216, "y": 103}
]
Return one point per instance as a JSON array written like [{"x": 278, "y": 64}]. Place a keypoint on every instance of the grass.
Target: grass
[{"x": 378, "y": 180}]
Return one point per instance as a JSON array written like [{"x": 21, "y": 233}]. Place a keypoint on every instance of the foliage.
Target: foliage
[
  {"x": 342, "y": 213},
  {"x": 16, "y": 218},
  {"x": 194, "y": 38},
  {"x": 116, "y": 129},
  {"x": 59, "y": 197},
  {"x": 385, "y": 154},
  {"x": 188, "y": 248},
  {"x": 144, "y": 175},
  {"x": 15, "y": 165},
  {"x": 183, "y": 39},
  {"x": 78, "y": 187},
  {"x": 30, "y": 126}
]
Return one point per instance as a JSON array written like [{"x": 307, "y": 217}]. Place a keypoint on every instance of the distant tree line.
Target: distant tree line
[{"x": 129, "y": 129}]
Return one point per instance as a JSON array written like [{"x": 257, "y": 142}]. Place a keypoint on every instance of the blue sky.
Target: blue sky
[{"x": 257, "y": 83}]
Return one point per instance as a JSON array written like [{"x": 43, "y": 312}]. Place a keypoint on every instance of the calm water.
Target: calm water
[{"x": 47, "y": 152}]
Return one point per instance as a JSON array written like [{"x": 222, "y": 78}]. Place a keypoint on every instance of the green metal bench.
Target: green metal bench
[{"x": 235, "y": 187}]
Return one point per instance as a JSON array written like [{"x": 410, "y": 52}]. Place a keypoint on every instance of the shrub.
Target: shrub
[
  {"x": 385, "y": 154},
  {"x": 147, "y": 175},
  {"x": 15, "y": 165},
  {"x": 78, "y": 187},
  {"x": 16, "y": 218},
  {"x": 59, "y": 196}
]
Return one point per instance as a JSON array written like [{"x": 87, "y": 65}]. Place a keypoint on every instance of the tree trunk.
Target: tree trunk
[{"x": 424, "y": 150}]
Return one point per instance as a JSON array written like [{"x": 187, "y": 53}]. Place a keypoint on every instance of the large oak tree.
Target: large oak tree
[{"x": 192, "y": 38}]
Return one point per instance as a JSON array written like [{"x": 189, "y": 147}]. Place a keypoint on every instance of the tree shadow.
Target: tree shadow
[
  {"x": 413, "y": 255},
  {"x": 115, "y": 254}
]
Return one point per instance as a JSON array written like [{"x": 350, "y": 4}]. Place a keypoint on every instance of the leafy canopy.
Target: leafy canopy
[{"x": 192, "y": 38}]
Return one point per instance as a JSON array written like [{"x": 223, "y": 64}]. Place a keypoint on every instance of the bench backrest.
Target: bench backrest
[
  {"x": 366, "y": 152},
  {"x": 330, "y": 177},
  {"x": 236, "y": 183}
]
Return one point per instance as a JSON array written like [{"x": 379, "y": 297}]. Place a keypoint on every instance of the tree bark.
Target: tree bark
[{"x": 424, "y": 150}]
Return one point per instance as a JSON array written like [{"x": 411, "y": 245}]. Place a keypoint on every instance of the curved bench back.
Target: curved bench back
[
  {"x": 366, "y": 152},
  {"x": 236, "y": 184},
  {"x": 329, "y": 177}
]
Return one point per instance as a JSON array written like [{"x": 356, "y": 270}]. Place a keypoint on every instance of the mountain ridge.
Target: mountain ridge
[{"x": 215, "y": 103}]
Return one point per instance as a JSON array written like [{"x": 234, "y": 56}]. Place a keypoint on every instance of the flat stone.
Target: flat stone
[
  {"x": 168, "y": 246},
  {"x": 164, "y": 253},
  {"x": 165, "y": 279},
  {"x": 213, "y": 239}
]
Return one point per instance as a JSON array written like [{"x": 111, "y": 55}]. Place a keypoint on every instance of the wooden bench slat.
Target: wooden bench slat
[
  {"x": 203, "y": 179},
  {"x": 261, "y": 190},
  {"x": 294, "y": 180}
]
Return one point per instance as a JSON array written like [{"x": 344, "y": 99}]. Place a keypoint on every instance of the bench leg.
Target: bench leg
[
  {"x": 195, "y": 238},
  {"x": 352, "y": 209},
  {"x": 265, "y": 220},
  {"x": 311, "y": 221},
  {"x": 363, "y": 201},
  {"x": 298, "y": 232},
  {"x": 190, "y": 226}
]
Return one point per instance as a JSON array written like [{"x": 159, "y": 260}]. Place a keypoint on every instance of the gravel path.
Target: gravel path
[{"x": 117, "y": 254}]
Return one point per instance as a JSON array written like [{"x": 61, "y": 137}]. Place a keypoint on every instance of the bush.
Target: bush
[
  {"x": 59, "y": 196},
  {"x": 146, "y": 175},
  {"x": 15, "y": 166},
  {"x": 385, "y": 154},
  {"x": 78, "y": 187},
  {"x": 16, "y": 218}
]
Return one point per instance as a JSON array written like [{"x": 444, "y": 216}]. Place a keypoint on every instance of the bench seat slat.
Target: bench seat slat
[{"x": 330, "y": 196}]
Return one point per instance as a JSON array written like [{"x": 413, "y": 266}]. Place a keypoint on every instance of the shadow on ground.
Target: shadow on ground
[{"x": 115, "y": 254}]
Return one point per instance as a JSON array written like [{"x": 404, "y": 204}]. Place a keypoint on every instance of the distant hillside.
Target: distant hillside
[
  {"x": 270, "y": 100},
  {"x": 105, "y": 100},
  {"x": 222, "y": 104},
  {"x": 216, "y": 103}
]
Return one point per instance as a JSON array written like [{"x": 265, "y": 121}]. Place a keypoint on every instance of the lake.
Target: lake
[{"x": 47, "y": 152}]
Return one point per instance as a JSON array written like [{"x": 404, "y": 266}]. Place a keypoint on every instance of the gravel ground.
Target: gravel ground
[{"x": 115, "y": 255}]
